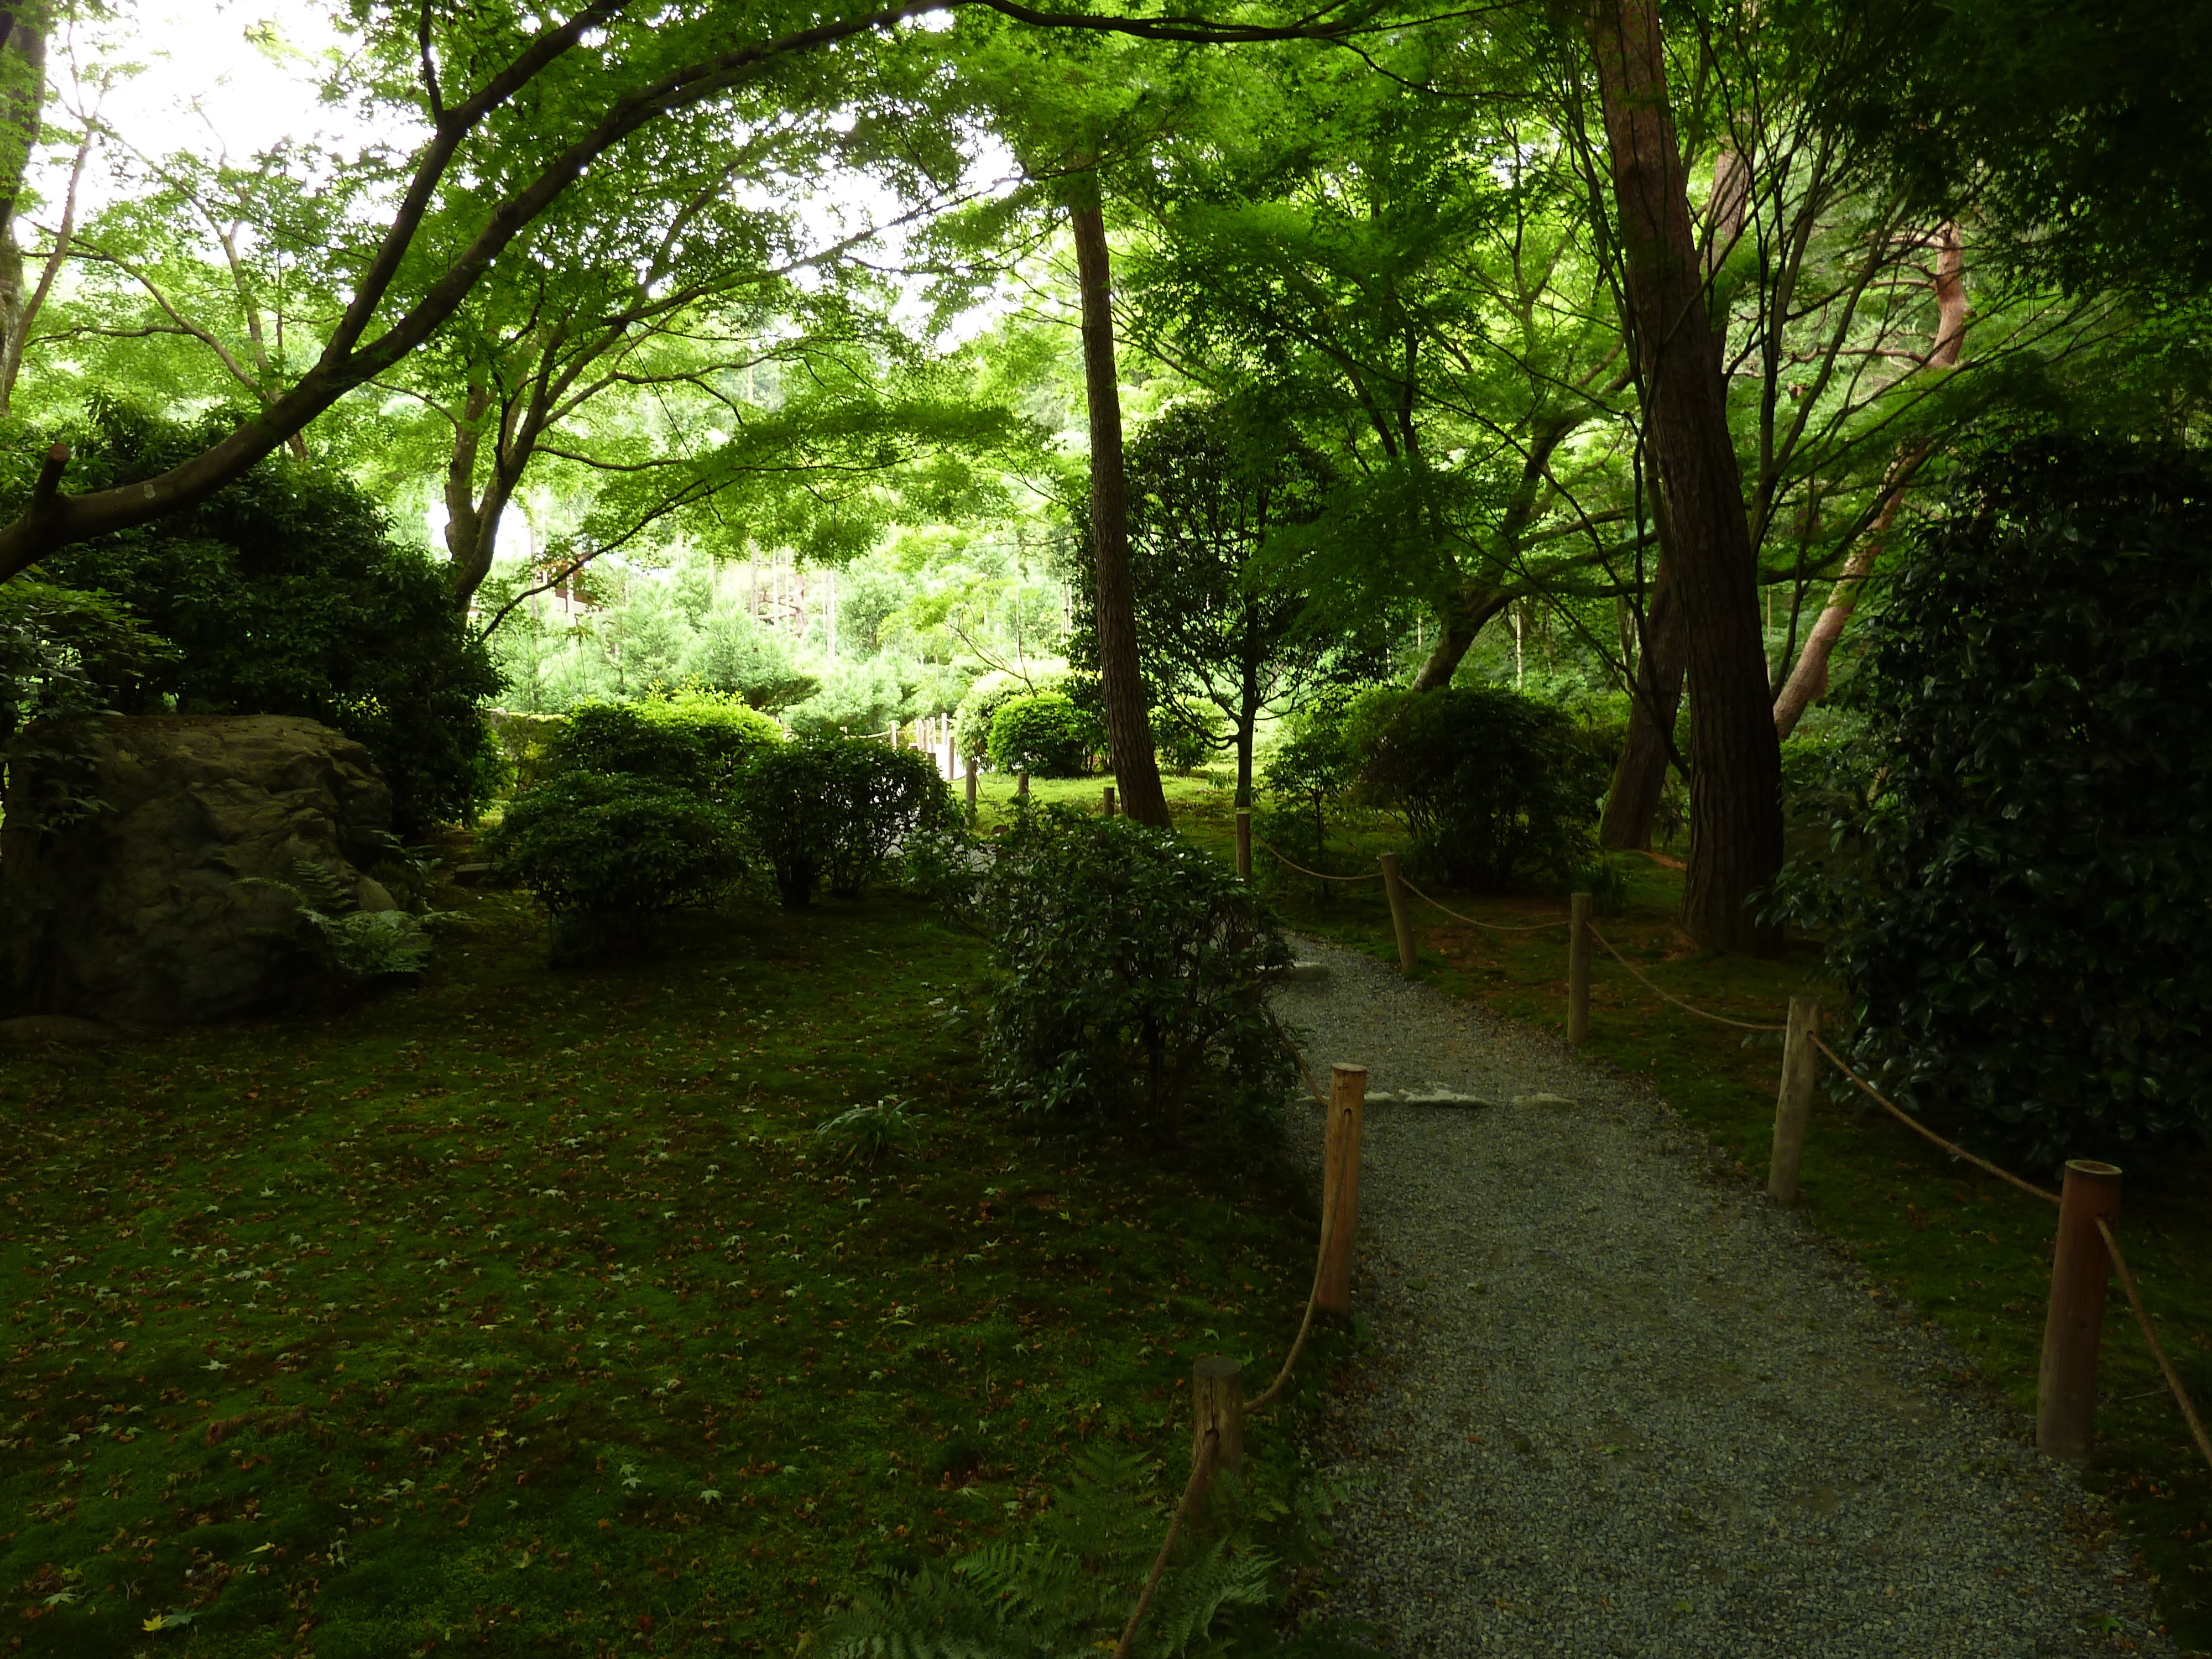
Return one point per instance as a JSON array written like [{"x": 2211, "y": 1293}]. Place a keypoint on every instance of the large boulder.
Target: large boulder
[{"x": 142, "y": 911}]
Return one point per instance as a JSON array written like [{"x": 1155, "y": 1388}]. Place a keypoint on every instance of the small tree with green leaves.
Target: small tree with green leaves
[{"x": 1217, "y": 499}]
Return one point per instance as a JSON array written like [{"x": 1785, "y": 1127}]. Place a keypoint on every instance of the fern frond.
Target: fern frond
[{"x": 321, "y": 890}]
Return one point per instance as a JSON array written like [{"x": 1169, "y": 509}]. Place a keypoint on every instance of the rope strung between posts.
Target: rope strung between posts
[
  {"x": 1920, "y": 1128},
  {"x": 1718, "y": 1019},
  {"x": 2111, "y": 1243},
  {"x": 1268, "y": 1396},
  {"x": 1200, "y": 1467},
  {"x": 1533, "y": 927},
  {"x": 1372, "y": 875},
  {"x": 2165, "y": 1366}
]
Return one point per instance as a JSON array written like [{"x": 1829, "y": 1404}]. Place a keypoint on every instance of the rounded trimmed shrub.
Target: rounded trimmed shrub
[
  {"x": 608, "y": 853},
  {"x": 839, "y": 811},
  {"x": 1131, "y": 973},
  {"x": 1044, "y": 734},
  {"x": 1496, "y": 787}
]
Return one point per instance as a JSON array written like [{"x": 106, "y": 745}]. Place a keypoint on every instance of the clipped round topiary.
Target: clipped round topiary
[
  {"x": 1495, "y": 786},
  {"x": 1045, "y": 733},
  {"x": 606, "y": 853},
  {"x": 838, "y": 810}
]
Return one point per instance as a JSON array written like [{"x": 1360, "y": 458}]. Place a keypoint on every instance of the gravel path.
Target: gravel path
[{"x": 1619, "y": 1404}]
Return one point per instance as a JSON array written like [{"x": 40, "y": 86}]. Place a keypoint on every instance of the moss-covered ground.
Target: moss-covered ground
[
  {"x": 524, "y": 1311},
  {"x": 1965, "y": 1250}
]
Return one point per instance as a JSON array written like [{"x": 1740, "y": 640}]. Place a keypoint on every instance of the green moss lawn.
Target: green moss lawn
[{"x": 525, "y": 1312}]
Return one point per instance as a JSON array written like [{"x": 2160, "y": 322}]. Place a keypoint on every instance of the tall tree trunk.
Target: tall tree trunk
[
  {"x": 1631, "y": 806},
  {"x": 1809, "y": 678},
  {"x": 1640, "y": 776},
  {"x": 1735, "y": 804},
  {"x": 22, "y": 108},
  {"x": 1128, "y": 727},
  {"x": 1460, "y": 620}
]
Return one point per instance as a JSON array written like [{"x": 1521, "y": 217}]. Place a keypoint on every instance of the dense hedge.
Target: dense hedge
[
  {"x": 1045, "y": 733},
  {"x": 1130, "y": 972},
  {"x": 2026, "y": 928},
  {"x": 644, "y": 808},
  {"x": 1496, "y": 787}
]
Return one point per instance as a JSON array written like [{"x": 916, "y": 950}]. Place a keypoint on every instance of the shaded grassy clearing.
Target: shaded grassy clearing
[
  {"x": 525, "y": 1310},
  {"x": 1967, "y": 1251}
]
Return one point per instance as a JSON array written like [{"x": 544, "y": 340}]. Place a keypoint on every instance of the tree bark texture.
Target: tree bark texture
[
  {"x": 1640, "y": 774},
  {"x": 22, "y": 108},
  {"x": 1809, "y": 679},
  {"x": 1735, "y": 804},
  {"x": 1460, "y": 621},
  {"x": 1128, "y": 723}
]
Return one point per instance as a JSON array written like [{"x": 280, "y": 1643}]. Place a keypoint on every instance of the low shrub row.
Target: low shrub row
[{"x": 639, "y": 810}]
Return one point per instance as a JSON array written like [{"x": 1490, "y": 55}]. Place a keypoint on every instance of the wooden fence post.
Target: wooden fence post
[
  {"x": 2066, "y": 1389},
  {"x": 1109, "y": 800},
  {"x": 1402, "y": 913},
  {"x": 1793, "y": 1103},
  {"x": 1022, "y": 784},
  {"x": 1243, "y": 844},
  {"x": 1578, "y": 961},
  {"x": 1217, "y": 1403},
  {"x": 1340, "y": 1190},
  {"x": 971, "y": 785}
]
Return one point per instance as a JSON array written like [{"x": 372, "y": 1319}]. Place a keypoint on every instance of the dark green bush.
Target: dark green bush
[
  {"x": 1131, "y": 972},
  {"x": 2026, "y": 930},
  {"x": 613, "y": 739},
  {"x": 284, "y": 593},
  {"x": 972, "y": 730},
  {"x": 1044, "y": 734},
  {"x": 840, "y": 810},
  {"x": 608, "y": 853},
  {"x": 1495, "y": 788},
  {"x": 1306, "y": 775},
  {"x": 700, "y": 742}
]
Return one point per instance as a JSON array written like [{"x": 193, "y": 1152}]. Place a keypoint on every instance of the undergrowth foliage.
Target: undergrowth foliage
[
  {"x": 2025, "y": 930},
  {"x": 1068, "y": 1586},
  {"x": 1496, "y": 787},
  {"x": 840, "y": 810},
  {"x": 1131, "y": 972}
]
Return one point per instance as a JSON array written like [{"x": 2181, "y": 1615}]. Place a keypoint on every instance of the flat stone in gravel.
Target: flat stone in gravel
[{"x": 1621, "y": 1406}]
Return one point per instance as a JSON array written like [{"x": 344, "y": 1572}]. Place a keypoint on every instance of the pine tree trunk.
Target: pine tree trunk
[
  {"x": 1128, "y": 727},
  {"x": 1736, "y": 806},
  {"x": 1640, "y": 776}
]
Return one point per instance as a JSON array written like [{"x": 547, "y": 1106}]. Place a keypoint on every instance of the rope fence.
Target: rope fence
[
  {"x": 1922, "y": 1129},
  {"x": 2088, "y": 1255},
  {"x": 1494, "y": 926},
  {"x": 1317, "y": 875},
  {"x": 1218, "y": 1408},
  {"x": 1701, "y": 1013}
]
